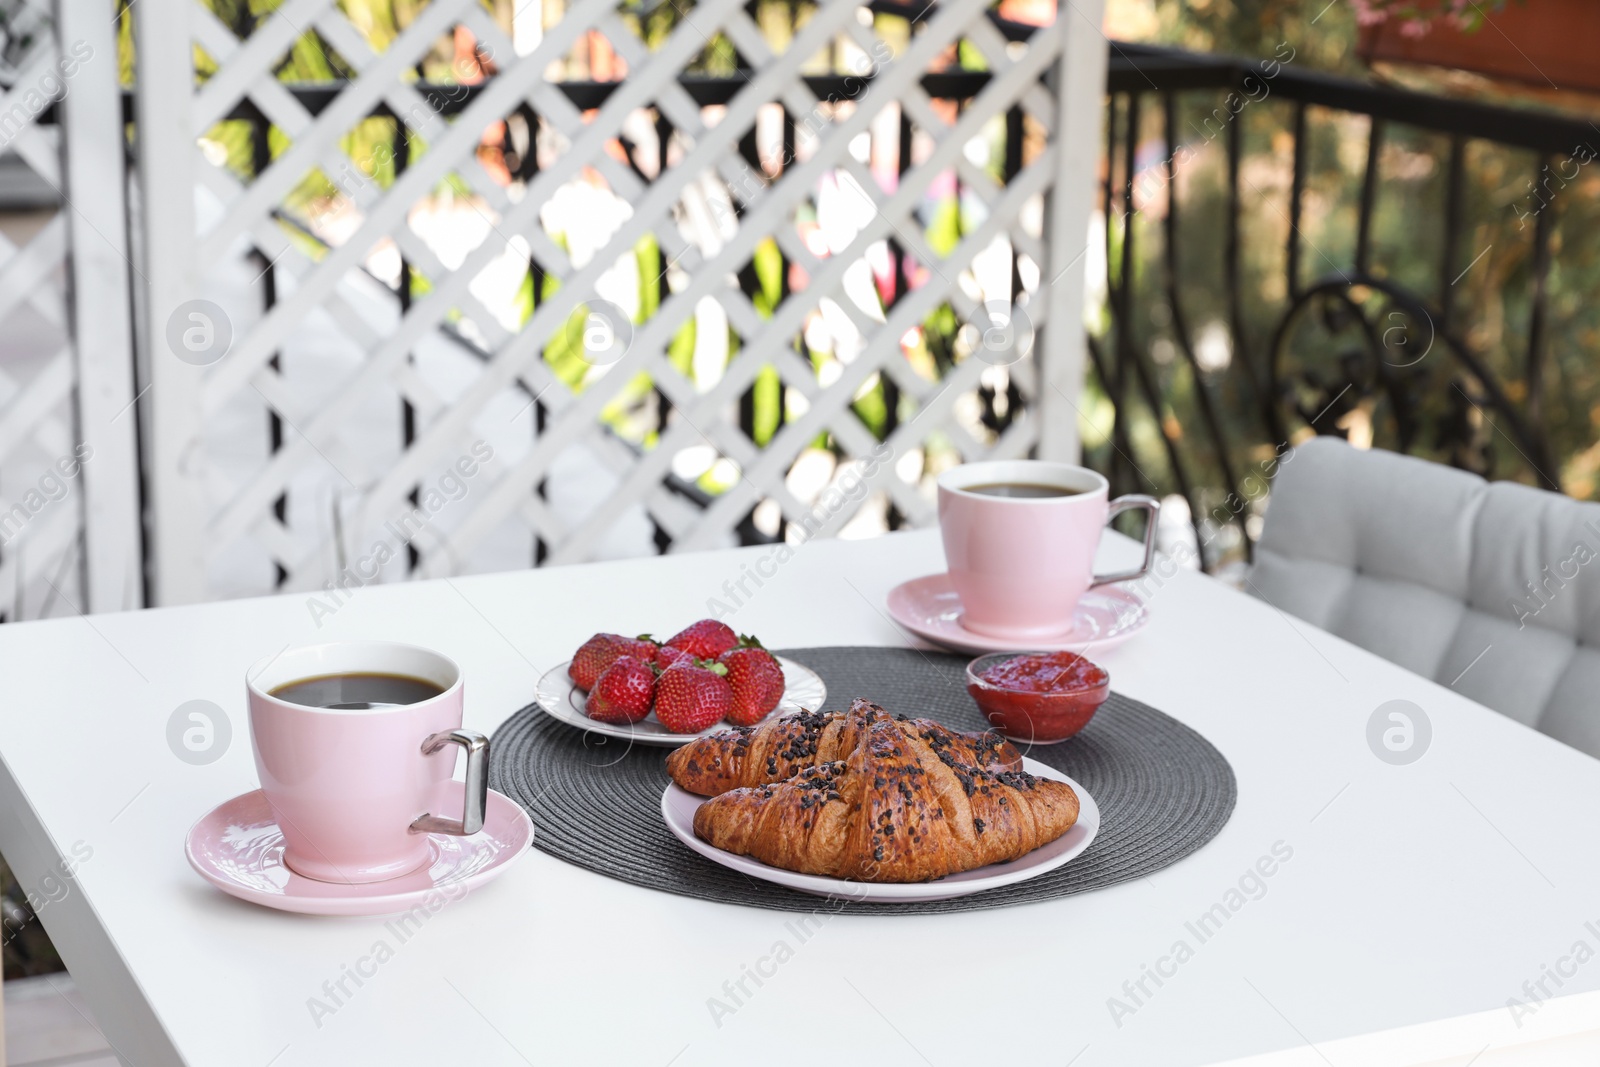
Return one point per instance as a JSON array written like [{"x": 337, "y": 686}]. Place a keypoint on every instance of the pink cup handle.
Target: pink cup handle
[
  {"x": 477, "y": 784},
  {"x": 1152, "y": 507}
]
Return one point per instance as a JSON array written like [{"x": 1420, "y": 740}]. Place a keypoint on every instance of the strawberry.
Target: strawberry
[
  {"x": 756, "y": 680},
  {"x": 600, "y": 651},
  {"x": 667, "y": 656},
  {"x": 690, "y": 698},
  {"x": 623, "y": 692},
  {"x": 706, "y": 639}
]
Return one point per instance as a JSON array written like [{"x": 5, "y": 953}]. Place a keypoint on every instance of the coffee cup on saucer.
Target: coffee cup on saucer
[
  {"x": 1020, "y": 538},
  {"x": 355, "y": 742}
]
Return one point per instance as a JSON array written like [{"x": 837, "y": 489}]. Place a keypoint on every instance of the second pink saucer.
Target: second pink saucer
[
  {"x": 238, "y": 848},
  {"x": 930, "y": 608}
]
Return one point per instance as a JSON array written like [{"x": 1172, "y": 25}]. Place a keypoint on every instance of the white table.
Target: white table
[{"x": 1414, "y": 894}]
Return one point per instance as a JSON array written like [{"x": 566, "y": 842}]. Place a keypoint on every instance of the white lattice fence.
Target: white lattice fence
[
  {"x": 68, "y": 511},
  {"x": 411, "y": 324}
]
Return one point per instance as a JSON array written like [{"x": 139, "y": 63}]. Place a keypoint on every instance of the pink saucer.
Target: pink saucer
[
  {"x": 929, "y": 607},
  {"x": 239, "y": 849}
]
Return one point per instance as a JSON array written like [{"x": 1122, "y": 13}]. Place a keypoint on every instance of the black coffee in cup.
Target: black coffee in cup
[
  {"x": 357, "y": 692},
  {"x": 1023, "y": 490}
]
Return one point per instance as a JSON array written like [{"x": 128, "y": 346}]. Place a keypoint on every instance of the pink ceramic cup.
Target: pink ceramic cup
[
  {"x": 1020, "y": 564},
  {"x": 351, "y": 788}
]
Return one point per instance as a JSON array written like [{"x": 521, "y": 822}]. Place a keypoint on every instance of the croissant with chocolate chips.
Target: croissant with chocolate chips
[
  {"x": 896, "y": 809},
  {"x": 779, "y": 748}
]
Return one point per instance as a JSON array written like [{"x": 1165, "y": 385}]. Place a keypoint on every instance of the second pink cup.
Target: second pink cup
[{"x": 1020, "y": 539}]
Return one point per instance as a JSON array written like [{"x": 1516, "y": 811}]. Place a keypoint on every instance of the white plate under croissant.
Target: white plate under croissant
[
  {"x": 678, "y": 807},
  {"x": 871, "y": 806}
]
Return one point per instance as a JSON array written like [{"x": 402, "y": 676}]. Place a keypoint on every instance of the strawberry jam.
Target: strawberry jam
[{"x": 1039, "y": 697}]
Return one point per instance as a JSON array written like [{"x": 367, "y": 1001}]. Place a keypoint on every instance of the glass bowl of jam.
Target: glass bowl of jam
[{"x": 1037, "y": 697}]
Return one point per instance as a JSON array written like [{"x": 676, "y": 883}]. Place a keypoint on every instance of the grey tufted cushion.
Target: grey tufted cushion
[{"x": 1431, "y": 567}]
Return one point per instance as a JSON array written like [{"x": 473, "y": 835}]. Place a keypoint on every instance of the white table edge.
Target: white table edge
[{"x": 130, "y": 1025}]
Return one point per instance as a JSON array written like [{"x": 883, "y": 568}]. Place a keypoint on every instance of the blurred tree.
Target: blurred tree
[{"x": 1323, "y": 33}]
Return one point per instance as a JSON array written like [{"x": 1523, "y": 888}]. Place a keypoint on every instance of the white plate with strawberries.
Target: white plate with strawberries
[{"x": 667, "y": 693}]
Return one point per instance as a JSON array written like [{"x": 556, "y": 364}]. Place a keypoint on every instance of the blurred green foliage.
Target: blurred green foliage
[
  {"x": 374, "y": 147},
  {"x": 1491, "y": 302}
]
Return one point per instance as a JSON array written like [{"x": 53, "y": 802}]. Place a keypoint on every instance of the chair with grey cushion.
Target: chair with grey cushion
[{"x": 1438, "y": 570}]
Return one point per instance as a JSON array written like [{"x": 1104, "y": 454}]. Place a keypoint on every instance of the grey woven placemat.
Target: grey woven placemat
[{"x": 1163, "y": 790}]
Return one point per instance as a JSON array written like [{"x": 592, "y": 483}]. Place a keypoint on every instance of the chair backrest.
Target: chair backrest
[{"x": 1492, "y": 588}]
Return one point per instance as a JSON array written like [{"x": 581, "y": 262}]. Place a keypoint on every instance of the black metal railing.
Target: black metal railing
[{"x": 1400, "y": 347}]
